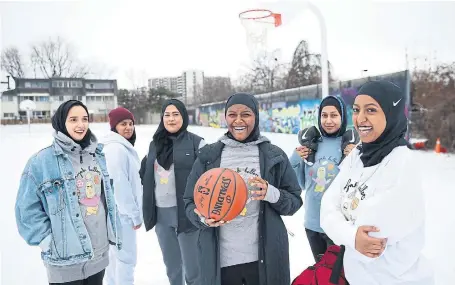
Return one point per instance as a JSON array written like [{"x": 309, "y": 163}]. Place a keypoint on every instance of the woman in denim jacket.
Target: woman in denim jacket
[{"x": 65, "y": 202}]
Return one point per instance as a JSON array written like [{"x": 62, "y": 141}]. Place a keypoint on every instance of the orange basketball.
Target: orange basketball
[{"x": 220, "y": 194}]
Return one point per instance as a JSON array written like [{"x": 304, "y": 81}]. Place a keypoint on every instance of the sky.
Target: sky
[{"x": 132, "y": 41}]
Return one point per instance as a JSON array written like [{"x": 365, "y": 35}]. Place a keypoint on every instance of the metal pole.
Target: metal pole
[{"x": 324, "y": 54}]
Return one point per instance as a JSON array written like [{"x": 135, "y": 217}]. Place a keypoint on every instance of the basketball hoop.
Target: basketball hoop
[{"x": 257, "y": 23}]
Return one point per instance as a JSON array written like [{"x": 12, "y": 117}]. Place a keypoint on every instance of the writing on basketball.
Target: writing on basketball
[{"x": 225, "y": 182}]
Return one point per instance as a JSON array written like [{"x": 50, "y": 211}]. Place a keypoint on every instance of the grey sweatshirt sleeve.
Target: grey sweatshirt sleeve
[{"x": 289, "y": 201}]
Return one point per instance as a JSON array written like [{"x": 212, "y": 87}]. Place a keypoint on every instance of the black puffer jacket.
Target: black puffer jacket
[{"x": 273, "y": 239}]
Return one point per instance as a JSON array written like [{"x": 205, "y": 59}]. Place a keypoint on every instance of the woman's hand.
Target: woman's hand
[
  {"x": 209, "y": 222},
  {"x": 303, "y": 151},
  {"x": 369, "y": 246},
  {"x": 348, "y": 149},
  {"x": 261, "y": 185}
]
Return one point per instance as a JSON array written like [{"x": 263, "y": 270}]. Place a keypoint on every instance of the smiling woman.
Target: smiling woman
[
  {"x": 164, "y": 172},
  {"x": 240, "y": 121},
  {"x": 64, "y": 198},
  {"x": 253, "y": 245}
]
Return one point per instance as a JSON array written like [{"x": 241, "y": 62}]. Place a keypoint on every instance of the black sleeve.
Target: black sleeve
[{"x": 143, "y": 168}]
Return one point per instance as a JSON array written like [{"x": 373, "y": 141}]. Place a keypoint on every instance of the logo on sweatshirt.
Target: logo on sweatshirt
[{"x": 162, "y": 173}]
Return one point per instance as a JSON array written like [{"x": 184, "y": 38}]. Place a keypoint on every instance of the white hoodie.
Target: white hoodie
[
  {"x": 123, "y": 165},
  {"x": 390, "y": 197}
]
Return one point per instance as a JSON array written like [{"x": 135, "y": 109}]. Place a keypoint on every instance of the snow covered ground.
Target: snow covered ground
[{"x": 21, "y": 264}]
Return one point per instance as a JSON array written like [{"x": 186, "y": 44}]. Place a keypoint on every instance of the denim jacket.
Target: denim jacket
[{"x": 47, "y": 208}]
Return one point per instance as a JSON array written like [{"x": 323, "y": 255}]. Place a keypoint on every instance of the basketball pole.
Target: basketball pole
[{"x": 324, "y": 54}]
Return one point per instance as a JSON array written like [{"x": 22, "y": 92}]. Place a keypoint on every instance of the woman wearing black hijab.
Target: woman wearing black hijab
[
  {"x": 164, "y": 172},
  {"x": 375, "y": 206},
  {"x": 63, "y": 200},
  {"x": 253, "y": 248}
]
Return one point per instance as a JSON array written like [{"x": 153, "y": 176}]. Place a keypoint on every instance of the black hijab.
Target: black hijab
[
  {"x": 392, "y": 101},
  {"x": 59, "y": 119},
  {"x": 341, "y": 107},
  {"x": 251, "y": 102},
  {"x": 164, "y": 140}
]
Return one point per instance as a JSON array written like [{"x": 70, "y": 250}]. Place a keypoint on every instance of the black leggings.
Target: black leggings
[
  {"x": 96, "y": 279},
  {"x": 241, "y": 274},
  {"x": 319, "y": 243}
]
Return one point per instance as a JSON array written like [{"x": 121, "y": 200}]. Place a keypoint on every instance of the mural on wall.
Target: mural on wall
[{"x": 291, "y": 116}]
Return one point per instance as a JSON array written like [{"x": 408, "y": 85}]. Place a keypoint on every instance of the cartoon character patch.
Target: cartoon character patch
[
  {"x": 323, "y": 172},
  {"x": 89, "y": 191}
]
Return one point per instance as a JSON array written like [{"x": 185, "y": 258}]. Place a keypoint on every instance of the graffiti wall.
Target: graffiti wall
[{"x": 288, "y": 116}]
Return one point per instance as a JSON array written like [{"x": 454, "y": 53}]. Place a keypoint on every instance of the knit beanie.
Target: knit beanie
[{"x": 119, "y": 114}]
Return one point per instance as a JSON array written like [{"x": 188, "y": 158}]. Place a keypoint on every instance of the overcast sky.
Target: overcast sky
[{"x": 136, "y": 40}]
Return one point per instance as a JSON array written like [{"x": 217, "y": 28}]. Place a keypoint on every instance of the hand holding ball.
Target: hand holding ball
[{"x": 220, "y": 194}]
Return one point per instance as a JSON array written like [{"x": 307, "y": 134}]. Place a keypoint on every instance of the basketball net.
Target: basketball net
[{"x": 257, "y": 23}]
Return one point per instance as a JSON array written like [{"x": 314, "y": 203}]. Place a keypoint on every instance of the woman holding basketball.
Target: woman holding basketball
[
  {"x": 253, "y": 248},
  {"x": 316, "y": 169},
  {"x": 164, "y": 172},
  {"x": 375, "y": 207}
]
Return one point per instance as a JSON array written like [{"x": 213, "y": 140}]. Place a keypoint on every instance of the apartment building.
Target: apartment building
[
  {"x": 100, "y": 96},
  {"x": 189, "y": 84},
  {"x": 174, "y": 84}
]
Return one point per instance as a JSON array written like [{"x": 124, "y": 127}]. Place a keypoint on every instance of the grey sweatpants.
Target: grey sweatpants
[{"x": 179, "y": 251}]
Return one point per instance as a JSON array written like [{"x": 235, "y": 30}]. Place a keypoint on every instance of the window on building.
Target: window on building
[
  {"x": 7, "y": 98},
  {"x": 42, "y": 98},
  {"x": 99, "y": 85},
  {"x": 76, "y": 84},
  {"x": 8, "y": 115},
  {"x": 42, "y": 85}
]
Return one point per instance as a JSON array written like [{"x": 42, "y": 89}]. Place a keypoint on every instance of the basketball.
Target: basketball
[{"x": 220, "y": 194}]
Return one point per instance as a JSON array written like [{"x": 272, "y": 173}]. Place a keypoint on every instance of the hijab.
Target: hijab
[
  {"x": 59, "y": 120},
  {"x": 251, "y": 102},
  {"x": 164, "y": 140},
  {"x": 341, "y": 108},
  {"x": 392, "y": 101}
]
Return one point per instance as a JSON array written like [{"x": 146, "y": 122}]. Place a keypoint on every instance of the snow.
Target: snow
[{"x": 21, "y": 264}]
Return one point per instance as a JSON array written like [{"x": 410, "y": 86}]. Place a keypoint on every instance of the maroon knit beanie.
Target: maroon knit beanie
[{"x": 119, "y": 114}]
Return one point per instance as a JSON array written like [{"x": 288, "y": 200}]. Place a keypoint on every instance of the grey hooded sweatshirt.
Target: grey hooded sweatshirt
[{"x": 91, "y": 200}]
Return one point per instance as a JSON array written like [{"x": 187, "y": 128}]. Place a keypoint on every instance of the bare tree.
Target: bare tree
[
  {"x": 55, "y": 58},
  {"x": 12, "y": 63},
  {"x": 198, "y": 95},
  {"x": 216, "y": 89},
  {"x": 433, "y": 94},
  {"x": 305, "y": 67},
  {"x": 266, "y": 74}
]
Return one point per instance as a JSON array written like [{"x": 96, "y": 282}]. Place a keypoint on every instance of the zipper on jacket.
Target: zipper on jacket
[{"x": 80, "y": 155}]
